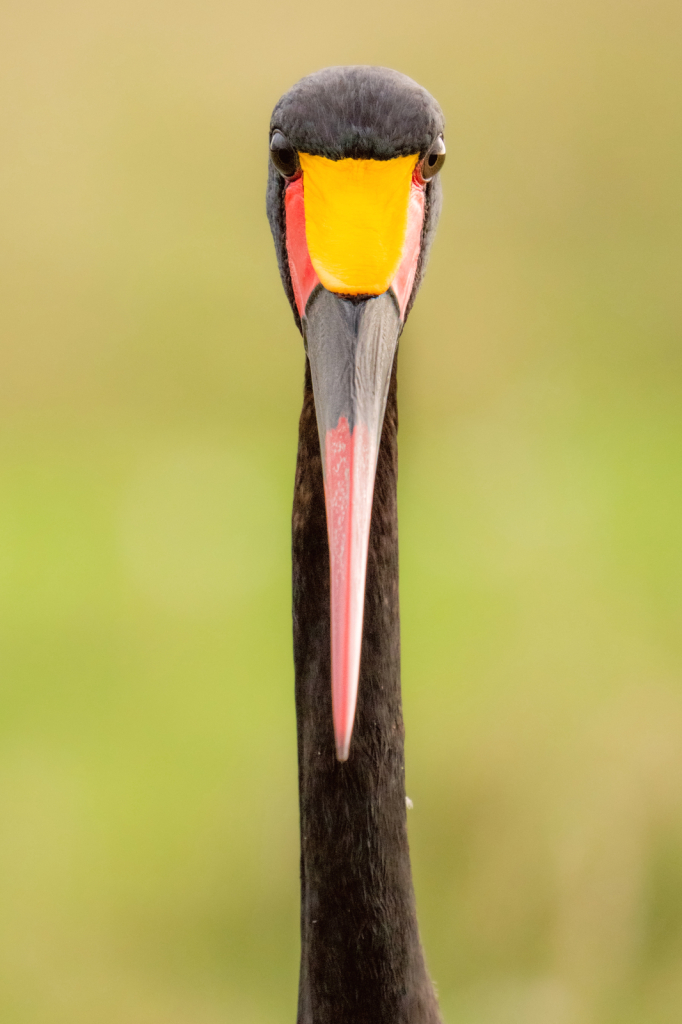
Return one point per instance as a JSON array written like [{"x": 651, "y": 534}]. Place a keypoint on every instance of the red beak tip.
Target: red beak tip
[
  {"x": 342, "y": 749},
  {"x": 343, "y": 735}
]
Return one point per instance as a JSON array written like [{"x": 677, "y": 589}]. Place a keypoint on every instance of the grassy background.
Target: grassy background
[{"x": 150, "y": 381}]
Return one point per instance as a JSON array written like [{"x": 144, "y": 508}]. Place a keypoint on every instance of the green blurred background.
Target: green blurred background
[{"x": 150, "y": 381}]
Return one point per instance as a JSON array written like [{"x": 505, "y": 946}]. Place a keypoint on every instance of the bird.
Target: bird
[{"x": 353, "y": 199}]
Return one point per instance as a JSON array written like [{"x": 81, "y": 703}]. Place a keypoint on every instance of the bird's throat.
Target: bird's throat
[{"x": 361, "y": 958}]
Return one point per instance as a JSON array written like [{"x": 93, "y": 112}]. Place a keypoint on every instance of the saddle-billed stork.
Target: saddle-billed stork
[{"x": 353, "y": 199}]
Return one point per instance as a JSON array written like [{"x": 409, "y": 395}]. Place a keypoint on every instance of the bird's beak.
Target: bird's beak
[
  {"x": 351, "y": 346},
  {"x": 353, "y": 230}
]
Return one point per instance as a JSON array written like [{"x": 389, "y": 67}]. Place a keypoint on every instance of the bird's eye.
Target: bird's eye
[
  {"x": 434, "y": 159},
  {"x": 283, "y": 155}
]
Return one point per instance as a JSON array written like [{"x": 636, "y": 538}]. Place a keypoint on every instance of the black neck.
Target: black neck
[{"x": 361, "y": 959}]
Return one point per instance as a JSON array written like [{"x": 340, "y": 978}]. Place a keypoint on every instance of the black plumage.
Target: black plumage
[
  {"x": 362, "y": 112},
  {"x": 361, "y": 956}
]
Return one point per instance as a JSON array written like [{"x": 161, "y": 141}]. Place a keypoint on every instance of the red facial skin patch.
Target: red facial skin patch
[
  {"x": 303, "y": 275},
  {"x": 403, "y": 282}
]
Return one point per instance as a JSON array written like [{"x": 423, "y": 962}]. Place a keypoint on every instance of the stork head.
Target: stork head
[{"x": 353, "y": 200}]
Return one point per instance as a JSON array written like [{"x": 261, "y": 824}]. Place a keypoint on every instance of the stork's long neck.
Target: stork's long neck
[{"x": 361, "y": 959}]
